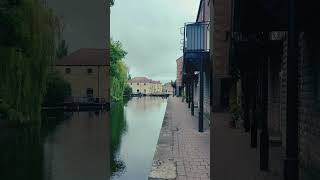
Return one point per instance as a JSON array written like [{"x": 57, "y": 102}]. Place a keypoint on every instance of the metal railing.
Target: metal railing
[{"x": 196, "y": 37}]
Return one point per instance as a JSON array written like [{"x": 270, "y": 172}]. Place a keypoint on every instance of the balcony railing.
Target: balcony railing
[{"x": 196, "y": 37}]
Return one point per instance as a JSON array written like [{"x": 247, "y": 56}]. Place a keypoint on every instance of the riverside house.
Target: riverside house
[
  {"x": 167, "y": 88},
  {"x": 87, "y": 72},
  {"x": 145, "y": 86}
]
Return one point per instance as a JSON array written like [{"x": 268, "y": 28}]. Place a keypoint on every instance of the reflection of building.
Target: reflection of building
[
  {"x": 87, "y": 72},
  {"x": 179, "y": 85},
  {"x": 167, "y": 88},
  {"x": 145, "y": 86}
]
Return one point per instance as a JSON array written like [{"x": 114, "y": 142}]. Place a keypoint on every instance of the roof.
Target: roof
[
  {"x": 85, "y": 57},
  {"x": 180, "y": 58},
  {"x": 143, "y": 80}
]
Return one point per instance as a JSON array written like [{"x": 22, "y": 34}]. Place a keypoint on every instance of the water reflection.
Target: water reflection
[
  {"x": 68, "y": 145},
  {"x": 135, "y": 129}
]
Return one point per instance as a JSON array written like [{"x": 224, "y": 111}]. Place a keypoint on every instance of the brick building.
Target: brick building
[
  {"x": 167, "y": 88},
  {"x": 278, "y": 66},
  {"x": 179, "y": 85},
  {"x": 87, "y": 72},
  {"x": 145, "y": 86}
]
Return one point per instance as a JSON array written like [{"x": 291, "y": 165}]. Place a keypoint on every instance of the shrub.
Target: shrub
[{"x": 58, "y": 89}]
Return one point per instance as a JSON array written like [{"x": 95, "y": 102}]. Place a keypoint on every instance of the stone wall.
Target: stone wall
[
  {"x": 309, "y": 115},
  {"x": 80, "y": 80}
]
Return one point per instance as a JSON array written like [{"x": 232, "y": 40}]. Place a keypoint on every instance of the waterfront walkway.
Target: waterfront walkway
[
  {"x": 182, "y": 152},
  {"x": 234, "y": 159}
]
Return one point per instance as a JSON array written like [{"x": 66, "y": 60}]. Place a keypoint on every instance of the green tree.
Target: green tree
[
  {"x": 57, "y": 89},
  {"x": 118, "y": 71},
  {"x": 27, "y": 46},
  {"x": 127, "y": 90},
  {"x": 62, "y": 49}
]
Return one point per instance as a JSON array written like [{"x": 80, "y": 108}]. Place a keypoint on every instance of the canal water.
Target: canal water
[
  {"x": 135, "y": 126},
  {"x": 68, "y": 145},
  {"x": 76, "y": 145}
]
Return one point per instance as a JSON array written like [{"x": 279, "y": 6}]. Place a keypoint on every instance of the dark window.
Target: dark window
[
  {"x": 89, "y": 70},
  {"x": 137, "y": 83},
  {"x": 317, "y": 78},
  {"x": 144, "y": 83},
  {"x": 68, "y": 70},
  {"x": 89, "y": 92},
  {"x": 131, "y": 83}
]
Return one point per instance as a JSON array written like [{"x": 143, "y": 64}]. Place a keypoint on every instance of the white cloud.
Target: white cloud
[{"x": 150, "y": 32}]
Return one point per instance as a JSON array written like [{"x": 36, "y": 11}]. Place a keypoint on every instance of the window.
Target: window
[
  {"x": 89, "y": 70},
  {"x": 317, "y": 84},
  {"x": 89, "y": 92},
  {"x": 68, "y": 70},
  {"x": 144, "y": 83},
  {"x": 130, "y": 83},
  {"x": 137, "y": 83}
]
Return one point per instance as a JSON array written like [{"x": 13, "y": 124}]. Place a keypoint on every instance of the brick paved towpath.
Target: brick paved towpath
[
  {"x": 234, "y": 159},
  {"x": 182, "y": 152}
]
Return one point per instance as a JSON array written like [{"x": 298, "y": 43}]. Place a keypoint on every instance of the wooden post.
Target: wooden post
[
  {"x": 291, "y": 168},
  {"x": 246, "y": 103},
  {"x": 264, "y": 135},
  {"x": 254, "y": 107},
  {"x": 192, "y": 96},
  {"x": 201, "y": 97}
]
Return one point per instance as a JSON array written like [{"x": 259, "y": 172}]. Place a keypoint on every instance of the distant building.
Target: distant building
[
  {"x": 179, "y": 85},
  {"x": 87, "y": 72},
  {"x": 144, "y": 85},
  {"x": 167, "y": 88}
]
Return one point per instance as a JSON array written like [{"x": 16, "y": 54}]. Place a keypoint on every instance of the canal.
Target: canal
[
  {"x": 76, "y": 145},
  {"x": 135, "y": 126},
  {"x": 68, "y": 145}
]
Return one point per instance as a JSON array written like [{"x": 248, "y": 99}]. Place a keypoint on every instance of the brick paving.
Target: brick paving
[
  {"x": 234, "y": 159},
  {"x": 189, "y": 149}
]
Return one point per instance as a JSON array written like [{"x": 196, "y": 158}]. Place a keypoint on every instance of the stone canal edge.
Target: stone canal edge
[{"x": 181, "y": 151}]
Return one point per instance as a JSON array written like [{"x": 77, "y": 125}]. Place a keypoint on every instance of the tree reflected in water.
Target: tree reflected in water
[{"x": 118, "y": 129}]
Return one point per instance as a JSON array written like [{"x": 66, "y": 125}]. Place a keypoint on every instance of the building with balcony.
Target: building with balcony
[
  {"x": 197, "y": 64},
  {"x": 167, "y": 88},
  {"x": 87, "y": 72},
  {"x": 143, "y": 85},
  {"x": 179, "y": 84},
  {"x": 268, "y": 50}
]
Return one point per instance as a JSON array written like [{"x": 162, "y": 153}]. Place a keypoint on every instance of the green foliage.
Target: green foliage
[
  {"x": 118, "y": 71},
  {"x": 118, "y": 128},
  {"x": 127, "y": 90},
  {"x": 26, "y": 49},
  {"x": 57, "y": 89},
  {"x": 62, "y": 49}
]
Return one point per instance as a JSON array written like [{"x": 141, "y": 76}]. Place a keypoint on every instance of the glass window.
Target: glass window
[
  {"x": 317, "y": 84},
  {"x": 68, "y": 70},
  {"x": 137, "y": 83},
  {"x": 89, "y": 70}
]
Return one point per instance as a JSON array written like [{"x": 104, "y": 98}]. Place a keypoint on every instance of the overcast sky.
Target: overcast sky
[{"x": 150, "y": 32}]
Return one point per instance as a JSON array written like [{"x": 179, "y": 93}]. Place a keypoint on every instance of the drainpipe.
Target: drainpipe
[
  {"x": 99, "y": 82},
  {"x": 291, "y": 168},
  {"x": 201, "y": 97},
  {"x": 192, "y": 97}
]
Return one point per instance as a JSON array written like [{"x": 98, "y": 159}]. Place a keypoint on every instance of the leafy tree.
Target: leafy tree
[
  {"x": 62, "y": 49},
  {"x": 27, "y": 46},
  {"x": 127, "y": 90},
  {"x": 118, "y": 71},
  {"x": 57, "y": 89}
]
